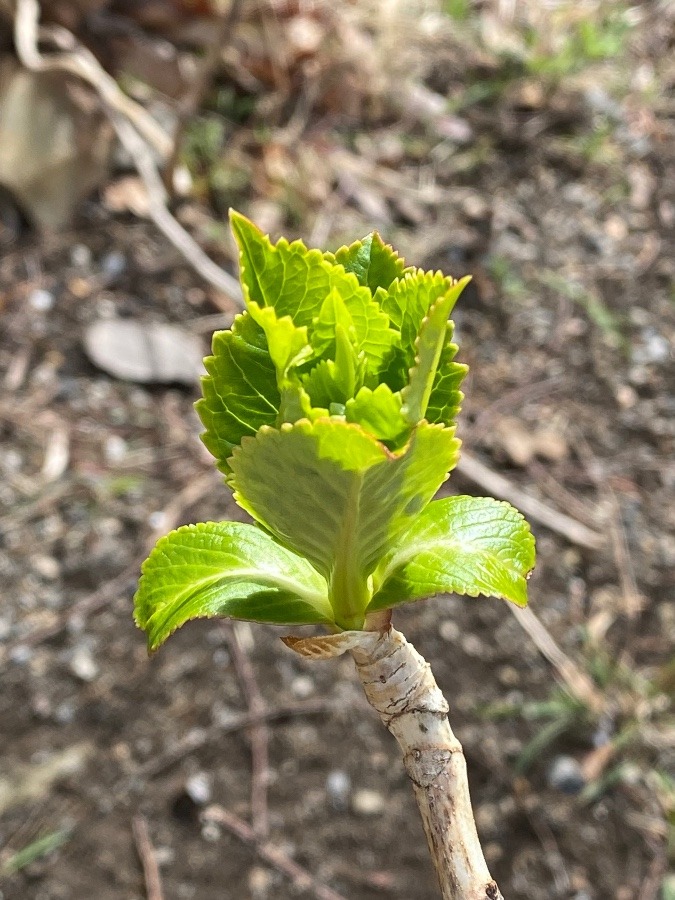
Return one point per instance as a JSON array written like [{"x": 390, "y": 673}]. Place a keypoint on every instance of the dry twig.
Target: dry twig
[
  {"x": 497, "y": 484},
  {"x": 146, "y": 854},
  {"x": 79, "y": 61},
  {"x": 632, "y": 597},
  {"x": 199, "y": 737},
  {"x": 137, "y": 131},
  {"x": 270, "y": 854},
  {"x": 578, "y": 683},
  {"x": 259, "y": 735}
]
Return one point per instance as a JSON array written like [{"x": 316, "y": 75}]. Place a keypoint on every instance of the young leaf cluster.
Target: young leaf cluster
[{"x": 330, "y": 407}]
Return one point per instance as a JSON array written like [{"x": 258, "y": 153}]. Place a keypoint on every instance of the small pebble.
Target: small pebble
[
  {"x": 115, "y": 449},
  {"x": 509, "y": 676},
  {"x": 338, "y": 788},
  {"x": 164, "y": 855},
  {"x": 565, "y": 775},
  {"x": 210, "y": 832},
  {"x": 65, "y": 712},
  {"x": 5, "y": 628},
  {"x": 449, "y": 631},
  {"x": 156, "y": 520},
  {"x": 198, "y": 788},
  {"x": 41, "y": 300},
  {"x": 259, "y": 882},
  {"x": 80, "y": 256},
  {"x": 493, "y": 852},
  {"x": 653, "y": 349},
  {"x": 21, "y": 654},
  {"x": 113, "y": 264},
  {"x": 82, "y": 664},
  {"x": 302, "y": 687},
  {"x": 221, "y": 657},
  {"x": 473, "y": 646},
  {"x": 46, "y": 566},
  {"x": 367, "y": 803}
]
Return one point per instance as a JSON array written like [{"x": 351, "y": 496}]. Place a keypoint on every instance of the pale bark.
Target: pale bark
[{"x": 400, "y": 686}]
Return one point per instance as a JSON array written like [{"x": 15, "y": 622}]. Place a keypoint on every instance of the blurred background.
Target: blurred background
[{"x": 530, "y": 143}]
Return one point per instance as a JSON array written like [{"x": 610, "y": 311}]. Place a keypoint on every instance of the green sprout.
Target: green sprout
[{"x": 330, "y": 407}]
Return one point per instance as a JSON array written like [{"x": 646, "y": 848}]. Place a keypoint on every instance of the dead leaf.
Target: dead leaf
[{"x": 31, "y": 782}]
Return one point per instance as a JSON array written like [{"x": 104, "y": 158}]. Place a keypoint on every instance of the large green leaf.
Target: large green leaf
[
  {"x": 374, "y": 263},
  {"x": 462, "y": 545},
  {"x": 226, "y": 569},
  {"x": 240, "y": 392},
  {"x": 429, "y": 345},
  {"x": 332, "y": 493}
]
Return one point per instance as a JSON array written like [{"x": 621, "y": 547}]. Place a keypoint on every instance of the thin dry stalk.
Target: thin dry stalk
[
  {"x": 633, "y": 601},
  {"x": 199, "y": 737},
  {"x": 258, "y": 733},
  {"x": 577, "y": 682},
  {"x": 269, "y": 854},
  {"x": 496, "y": 484},
  {"x": 148, "y": 858}
]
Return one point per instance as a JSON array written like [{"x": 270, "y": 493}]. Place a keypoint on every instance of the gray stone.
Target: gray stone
[{"x": 565, "y": 775}]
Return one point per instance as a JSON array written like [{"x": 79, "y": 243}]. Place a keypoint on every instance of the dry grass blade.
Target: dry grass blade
[
  {"x": 501, "y": 487},
  {"x": 576, "y": 681},
  {"x": 259, "y": 734},
  {"x": 148, "y": 858}
]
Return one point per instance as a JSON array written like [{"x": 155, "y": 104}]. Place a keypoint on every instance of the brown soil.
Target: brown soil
[{"x": 568, "y": 331}]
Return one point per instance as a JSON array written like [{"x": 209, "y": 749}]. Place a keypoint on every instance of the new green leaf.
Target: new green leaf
[
  {"x": 226, "y": 569},
  {"x": 288, "y": 277},
  {"x": 240, "y": 392},
  {"x": 446, "y": 398},
  {"x": 429, "y": 346},
  {"x": 462, "y": 545},
  {"x": 379, "y": 412},
  {"x": 375, "y": 264}
]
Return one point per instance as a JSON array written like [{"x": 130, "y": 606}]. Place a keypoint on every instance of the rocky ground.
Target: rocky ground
[{"x": 557, "y": 192}]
